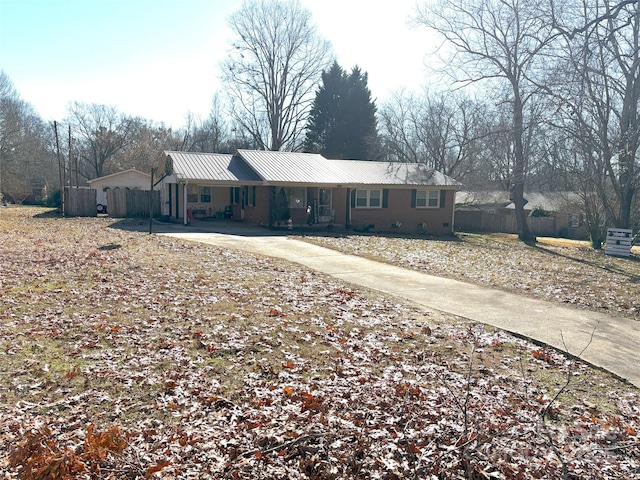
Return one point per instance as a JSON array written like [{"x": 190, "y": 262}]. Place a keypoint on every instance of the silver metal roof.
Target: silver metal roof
[
  {"x": 295, "y": 168},
  {"x": 394, "y": 174},
  {"x": 211, "y": 167},
  {"x": 118, "y": 174},
  {"x": 271, "y": 168}
]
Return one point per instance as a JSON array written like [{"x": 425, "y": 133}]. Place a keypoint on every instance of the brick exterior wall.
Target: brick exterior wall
[
  {"x": 437, "y": 221},
  {"x": 397, "y": 216}
]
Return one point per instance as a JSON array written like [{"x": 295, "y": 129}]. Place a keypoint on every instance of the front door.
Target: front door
[{"x": 324, "y": 206}]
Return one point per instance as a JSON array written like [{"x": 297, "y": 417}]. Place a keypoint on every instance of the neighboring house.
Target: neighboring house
[
  {"x": 271, "y": 188},
  {"x": 130, "y": 179},
  {"x": 494, "y": 211}
]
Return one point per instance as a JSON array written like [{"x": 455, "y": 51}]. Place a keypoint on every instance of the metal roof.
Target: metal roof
[
  {"x": 118, "y": 174},
  {"x": 211, "y": 167},
  {"x": 264, "y": 167},
  {"x": 394, "y": 174},
  {"x": 293, "y": 167}
]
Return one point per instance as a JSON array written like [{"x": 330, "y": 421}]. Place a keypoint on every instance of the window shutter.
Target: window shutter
[
  {"x": 413, "y": 198},
  {"x": 254, "y": 195},
  {"x": 443, "y": 195},
  {"x": 385, "y": 198},
  {"x": 353, "y": 198}
]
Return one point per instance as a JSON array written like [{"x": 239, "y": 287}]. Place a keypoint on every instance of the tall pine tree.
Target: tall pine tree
[{"x": 342, "y": 123}]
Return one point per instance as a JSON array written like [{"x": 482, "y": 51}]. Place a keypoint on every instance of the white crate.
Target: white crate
[{"x": 618, "y": 242}]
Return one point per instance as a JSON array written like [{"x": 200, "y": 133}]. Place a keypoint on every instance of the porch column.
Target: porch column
[
  {"x": 186, "y": 219},
  {"x": 453, "y": 213},
  {"x": 348, "y": 211}
]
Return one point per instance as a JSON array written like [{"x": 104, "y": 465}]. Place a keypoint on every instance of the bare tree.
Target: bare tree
[
  {"x": 499, "y": 41},
  {"x": 209, "y": 135},
  {"x": 25, "y": 158},
  {"x": 273, "y": 69},
  {"x": 101, "y": 132},
  {"x": 145, "y": 146},
  {"x": 599, "y": 88},
  {"x": 440, "y": 130}
]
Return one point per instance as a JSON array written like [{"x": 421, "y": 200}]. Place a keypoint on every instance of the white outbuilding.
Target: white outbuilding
[{"x": 131, "y": 179}]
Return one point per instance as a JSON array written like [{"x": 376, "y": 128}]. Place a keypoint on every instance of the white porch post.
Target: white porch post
[
  {"x": 184, "y": 203},
  {"x": 348, "y": 213},
  {"x": 453, "y": 213}
]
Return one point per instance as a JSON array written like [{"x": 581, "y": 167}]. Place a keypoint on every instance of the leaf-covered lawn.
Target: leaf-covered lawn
[
  {"x": 565, "y": 272},
  {"x": 125, "y": 355}
]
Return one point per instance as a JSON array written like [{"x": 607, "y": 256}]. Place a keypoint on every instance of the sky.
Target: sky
[{"x": 160, "y": 59}]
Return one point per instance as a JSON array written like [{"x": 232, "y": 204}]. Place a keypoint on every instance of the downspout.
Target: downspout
[
  {"x": 453, "y": 212},
  {"x": 184, "y": 186}
]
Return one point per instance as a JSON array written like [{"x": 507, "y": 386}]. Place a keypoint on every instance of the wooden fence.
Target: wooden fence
[
  {"x": 79, "y": 202},
  {"x": 479, "y": 221},
  {"x": 122, "y": 202}
]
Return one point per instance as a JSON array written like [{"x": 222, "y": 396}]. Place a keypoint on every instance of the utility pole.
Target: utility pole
[
  {"x": 153, "y": 171},
  {"x": 60, "y": 167},
  {"x": 72, "y": 159}
]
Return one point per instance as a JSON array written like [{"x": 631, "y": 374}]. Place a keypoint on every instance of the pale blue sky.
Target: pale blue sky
[{"x": 159, "y": 59}]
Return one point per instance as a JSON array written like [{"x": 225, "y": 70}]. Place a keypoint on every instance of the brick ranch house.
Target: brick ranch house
[{"x": 270, "y": 188}]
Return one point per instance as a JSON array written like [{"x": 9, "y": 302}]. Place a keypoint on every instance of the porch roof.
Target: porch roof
[
  {"x": 211, "y": 167},
  {"x": 293, "y": 167}
]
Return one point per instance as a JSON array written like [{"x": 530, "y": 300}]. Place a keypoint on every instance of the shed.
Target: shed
[{"x": 131, "y": 179}]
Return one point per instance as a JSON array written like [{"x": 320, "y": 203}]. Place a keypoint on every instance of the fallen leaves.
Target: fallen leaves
[
  {"x": 564, "y": 274},
  {"x": 40, "y": 457},
  {"x": 168, "y": 359}
]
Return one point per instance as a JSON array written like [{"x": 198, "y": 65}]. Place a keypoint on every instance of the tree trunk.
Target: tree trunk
[{"x": 522, "y": 224}]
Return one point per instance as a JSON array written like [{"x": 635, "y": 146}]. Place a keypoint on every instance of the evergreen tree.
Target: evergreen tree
[{"x": 342, "y": 123}]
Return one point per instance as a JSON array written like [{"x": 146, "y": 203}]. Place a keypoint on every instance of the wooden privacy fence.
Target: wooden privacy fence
[
  {"x": 479, "y": 221},
  {"x": 79, "y": 202},
  {"x": 122, "y": 202}
]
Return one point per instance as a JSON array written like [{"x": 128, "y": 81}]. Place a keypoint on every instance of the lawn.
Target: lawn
[
  {"x": 556, "y": 270},
  {"x": 128, "y": 355}
]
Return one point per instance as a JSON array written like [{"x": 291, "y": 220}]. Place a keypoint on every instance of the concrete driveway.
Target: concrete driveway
[{"x": 609, "y": 342}]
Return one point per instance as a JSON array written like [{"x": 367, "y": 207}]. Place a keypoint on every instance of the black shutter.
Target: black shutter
[
  {"x": 413, "y": 198},
  {"x": 353, "y": 198},
  {"x": 443, "y": 195},
  {"x": 254, "y": 195},
  {"x": 385, "y": 198}
]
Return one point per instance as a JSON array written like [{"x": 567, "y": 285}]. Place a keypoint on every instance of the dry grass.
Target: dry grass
[
  {"x": 556, "y": 270},
  {"x": 217, "y": 364}
]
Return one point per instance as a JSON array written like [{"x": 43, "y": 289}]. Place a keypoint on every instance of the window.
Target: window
[
  {"x": 205, "y": 194},
  {"x": 427, "y": 198},
  {"x": 192, "y": 193},
  {"x": 374, "y": 198},
  {"x": 575, "y": 220},
  {"x": 250, "y": 196},
  {"x": 368, "y": 199},
  {"x": 234, "y": 195}
]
